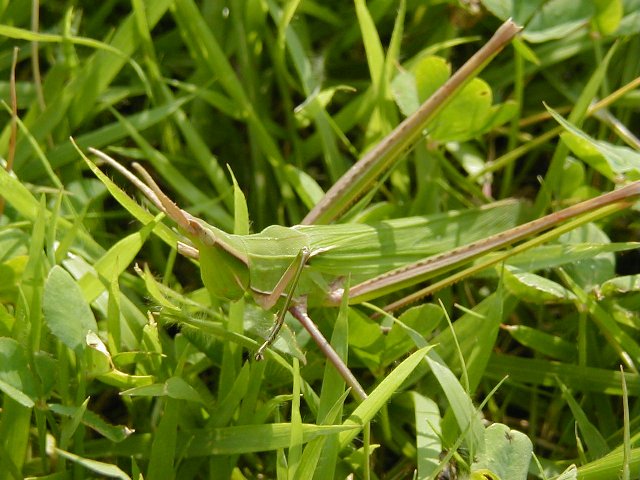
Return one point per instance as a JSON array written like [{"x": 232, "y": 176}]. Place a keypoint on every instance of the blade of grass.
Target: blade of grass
[
  {"x": 544, "y": 372},
  {"x": 209, "y": 54},
  {"x": 371, "y": 405},
  {"x": 553, "y": 177},
  {"x": 596, "y": 444},
  {"x": 624, "y": 345},
  {"x": 320, "y": 458}
]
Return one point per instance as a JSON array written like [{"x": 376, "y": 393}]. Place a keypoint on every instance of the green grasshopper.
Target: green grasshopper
[
  {"x": 285, "y": 266},
  {"x": 287, "y": 263}
]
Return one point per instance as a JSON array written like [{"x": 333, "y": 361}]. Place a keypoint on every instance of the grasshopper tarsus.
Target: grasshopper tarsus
[{"x": 277, "y": 326}]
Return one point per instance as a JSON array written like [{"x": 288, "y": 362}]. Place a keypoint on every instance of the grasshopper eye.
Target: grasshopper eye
[{"x": 207, "y": 237}]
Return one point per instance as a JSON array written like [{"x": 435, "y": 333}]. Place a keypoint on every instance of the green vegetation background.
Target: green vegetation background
[{"x": 111, "y": 371}]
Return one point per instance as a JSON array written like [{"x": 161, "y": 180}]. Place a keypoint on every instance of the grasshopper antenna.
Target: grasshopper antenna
[
  {"x": 154, "y": 193},
  {"x": 184, "y": 219},
  {"x": 167, "y": 205},
  {"x": 148, "y": 192}
]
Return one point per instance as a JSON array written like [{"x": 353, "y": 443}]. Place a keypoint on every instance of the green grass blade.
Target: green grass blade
[
  {"x": 553, "y": 178},
  {"x": 101, "y": 468},
  {"x": 544, "y": 372},
  {"x": 369, "y": 407},
  {"x": 596, "y": 444}
]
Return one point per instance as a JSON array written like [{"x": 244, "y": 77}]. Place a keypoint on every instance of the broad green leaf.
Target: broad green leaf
[
  {"x": 590, "y": 272},
  {"x": 507, "y": 455},
  {"x": 10, "y": 274},
  {"x": 573, "y": 178},
  {"x": 411, "y": 87},
  {"x": 612, "y": 161},
  {"x": 66, "y": 312},
  {"x": 15, "y": 374},
  {"x": 544, "y": 19},
  {"x": 624, "y": 284},
  {"x": 521, "y": 12},
  {"x": 608, "y": 15},
  {"x": 405, "y": 94},
  {"x": 557, "y": 18},
  {"x": 530, "y": 287},
  {"x": 469, "y": 114}
]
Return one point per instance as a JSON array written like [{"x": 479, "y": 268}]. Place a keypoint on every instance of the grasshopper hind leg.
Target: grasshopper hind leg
[{"x": 299, "y": 311}]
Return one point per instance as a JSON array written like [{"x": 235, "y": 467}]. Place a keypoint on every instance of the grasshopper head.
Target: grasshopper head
[
  {"x": 223, "y": 262},
  {"x": 224, "y": 266}
]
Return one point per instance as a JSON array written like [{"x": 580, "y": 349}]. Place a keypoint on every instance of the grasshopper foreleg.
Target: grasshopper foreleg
[{"x": 294, "y": 272}]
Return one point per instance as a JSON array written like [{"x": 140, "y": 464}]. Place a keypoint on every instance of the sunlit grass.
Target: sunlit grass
[{"x": 287, "y": 96}]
